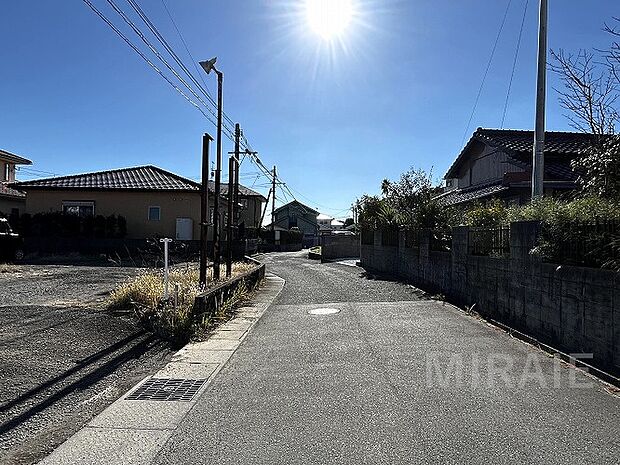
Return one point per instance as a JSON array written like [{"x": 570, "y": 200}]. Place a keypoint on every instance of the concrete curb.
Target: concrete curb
[{"x": 133, "y": 432}]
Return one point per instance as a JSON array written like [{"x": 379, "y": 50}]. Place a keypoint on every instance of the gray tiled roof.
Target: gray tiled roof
[
  {"x": 520, "y": 144},
  {"x": 140, "y": 178},
  {"x": 6, "y": 191},
  {"x": 457, "y": 196}
]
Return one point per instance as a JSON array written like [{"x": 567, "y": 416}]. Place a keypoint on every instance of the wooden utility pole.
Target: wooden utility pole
[
  {"x": 273, "y": 201},
  {"x": 229, "y": 230},
  {"x": 538, "y": 155},
  {"x": 204, "y": 210}
]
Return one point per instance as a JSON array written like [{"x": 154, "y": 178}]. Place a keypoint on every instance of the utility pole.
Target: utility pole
[
  {"x": 538, "y": 155},
  {"x": 273, "y": 201},
  {"x": 236, "y": 184},
  {"x": 209, "y": 66},
  {"x": 204, "y": 209},
  {"x": 262, "y": 217},
  {"x": 231, "y": 195}
]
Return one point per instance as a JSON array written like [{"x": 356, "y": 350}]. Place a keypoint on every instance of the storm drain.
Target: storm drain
[{"x": 181, "y": 390}]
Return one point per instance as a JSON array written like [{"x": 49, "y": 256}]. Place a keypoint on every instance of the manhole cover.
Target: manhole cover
[
  {"x": 323, "y": 311},
  {"x": 182, "y": 390}
]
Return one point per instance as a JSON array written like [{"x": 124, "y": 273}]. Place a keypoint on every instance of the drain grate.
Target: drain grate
[{"x": 182, "y": 390}]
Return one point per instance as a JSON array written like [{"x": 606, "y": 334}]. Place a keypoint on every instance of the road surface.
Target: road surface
[{"x": 390, "y": 378}]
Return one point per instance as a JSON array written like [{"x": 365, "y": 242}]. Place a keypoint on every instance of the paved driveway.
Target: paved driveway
[
  {"x": 390, "y": 378},
  {"x": 62, "y": 358}
]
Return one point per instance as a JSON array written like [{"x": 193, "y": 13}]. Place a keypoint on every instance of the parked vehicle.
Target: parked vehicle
[{"x": 11, "y": 244}]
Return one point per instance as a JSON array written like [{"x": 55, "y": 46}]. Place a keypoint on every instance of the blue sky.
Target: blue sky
[{"x": 336, "y": 119}]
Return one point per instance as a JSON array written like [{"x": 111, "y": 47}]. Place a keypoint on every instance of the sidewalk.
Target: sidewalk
[{"x": 131, "y": 431}]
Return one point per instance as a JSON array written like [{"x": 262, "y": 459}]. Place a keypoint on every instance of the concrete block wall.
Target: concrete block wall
[
  {"x": 574, "y": 309},
  {"x": 339, "y": 246}
]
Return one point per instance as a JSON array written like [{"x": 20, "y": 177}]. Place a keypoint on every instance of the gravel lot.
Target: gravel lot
[{"x": 63, "y": 358}]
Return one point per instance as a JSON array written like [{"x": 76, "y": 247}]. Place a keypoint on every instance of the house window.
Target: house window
[
  {"x": 6, "y": 172},
  {"x": 154, "y": 213},
  {"x": 82, "y": 209},
  {"x": 244, "y": 204}
]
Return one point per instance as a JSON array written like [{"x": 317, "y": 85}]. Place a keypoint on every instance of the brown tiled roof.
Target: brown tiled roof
[
  {"x": 140, "y": 178},
  {"x": 4, "y": 155},
  {"x": 520, "y": 144},
  {"x": 6, "y": 191}
]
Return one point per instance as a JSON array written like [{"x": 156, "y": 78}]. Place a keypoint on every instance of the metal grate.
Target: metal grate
[{"x": 182, "y": 390}]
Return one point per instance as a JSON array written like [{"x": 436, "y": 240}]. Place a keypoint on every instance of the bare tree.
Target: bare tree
[
  {"x": 590, "y": 94},
  {"x": 612, "y": 55}
]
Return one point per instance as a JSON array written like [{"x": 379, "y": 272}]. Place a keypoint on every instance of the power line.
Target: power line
[
  {"x": 244, "y": 143},
  {"x": 144, "y": 57},
  {"x": 514, "y": 64},
  {"x": 161, "y": 39},
  {"x": 486, "y": 71},
  {"x": 142, "y": 37}
]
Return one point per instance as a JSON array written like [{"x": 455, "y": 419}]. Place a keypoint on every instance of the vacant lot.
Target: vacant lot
[{"x": 63, "y": 358}]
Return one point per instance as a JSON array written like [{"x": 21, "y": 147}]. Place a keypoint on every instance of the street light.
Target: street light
[{"x": 208, "y": 66}]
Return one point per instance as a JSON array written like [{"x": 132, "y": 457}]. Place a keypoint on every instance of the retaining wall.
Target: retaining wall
[
  {"x": 574, "y": 309},
  {"x": 210, "y": 302}
]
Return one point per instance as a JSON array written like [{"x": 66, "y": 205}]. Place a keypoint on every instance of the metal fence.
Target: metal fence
[
  {"x": 441, "y": 240},
  {"x": 489, "y": 242},
  {"x": 368, "y": 237},
  {"x": 389, "y": 237},
  {"x": 412, "y": 238},
  {"x": 586, "y": 244}
]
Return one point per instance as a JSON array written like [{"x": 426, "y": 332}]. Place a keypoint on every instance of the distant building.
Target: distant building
[
  {"x": 155, "y": 202},
  {"x": 12, "y": 201},
  {"x": 324, "y": 222},
  {"x": 296, "y": 214},
  {"x": 497, "y": 163}
]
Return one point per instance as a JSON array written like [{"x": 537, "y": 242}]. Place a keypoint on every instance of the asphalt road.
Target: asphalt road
[
  {"x": 63, "y": 359},
  {"x": 391, "y": 378}
]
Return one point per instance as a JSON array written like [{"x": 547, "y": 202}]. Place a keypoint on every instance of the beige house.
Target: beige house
[
  {"x": 12, "y": 201},
  {"x": 155, "y": 202}
]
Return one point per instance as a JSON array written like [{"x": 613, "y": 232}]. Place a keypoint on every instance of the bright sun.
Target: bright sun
[{"x": 329, "y": 18}]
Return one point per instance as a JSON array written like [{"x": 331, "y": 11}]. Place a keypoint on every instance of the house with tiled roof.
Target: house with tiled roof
[
  {"x": 497, "y": 163},
  {"x": 154, "y": 202},
  {"x": 12, "y": 201}
]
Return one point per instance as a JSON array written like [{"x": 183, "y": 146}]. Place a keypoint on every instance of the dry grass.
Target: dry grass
[{"x": 144, "y": 295}]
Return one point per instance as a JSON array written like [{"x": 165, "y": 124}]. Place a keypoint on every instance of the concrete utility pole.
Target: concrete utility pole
[
  {"x": 538, "y": 156},
  {"x": 262, "y": 217},
  {"x": 273, "y": 201},
  {"x": 204, "y": 209},
  {"x": 229, "y": 232},
  {"x": 236, "y": 184}
]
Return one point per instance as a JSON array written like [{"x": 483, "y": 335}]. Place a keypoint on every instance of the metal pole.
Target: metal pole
[
  {"x": 218, "y": 171},
  {"x": 273, "y": 201},
  {"x": 166, "y": 242},
  {"x": 231, "y": 195},
  {"x": 538, "y": 157},
  {"x": 204, "y": 210}
]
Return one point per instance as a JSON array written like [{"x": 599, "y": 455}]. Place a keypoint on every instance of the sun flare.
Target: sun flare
[{"x": 329, "y": 18}]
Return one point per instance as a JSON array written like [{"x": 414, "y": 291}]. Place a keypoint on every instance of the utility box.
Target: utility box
[{"x": 185, "y": 229}]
